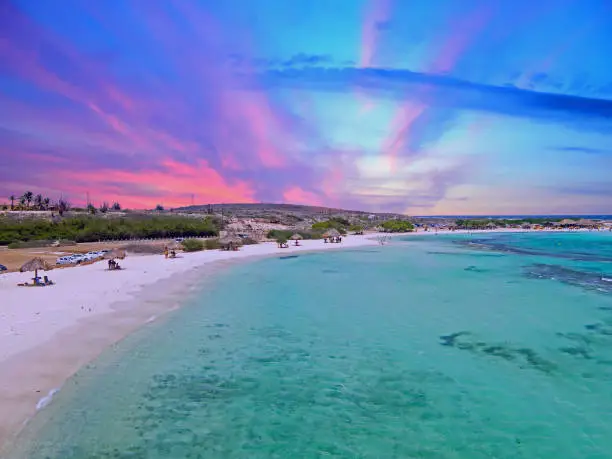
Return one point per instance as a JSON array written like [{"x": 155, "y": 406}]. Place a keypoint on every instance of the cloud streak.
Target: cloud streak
[{"x": 151, "y": 102}]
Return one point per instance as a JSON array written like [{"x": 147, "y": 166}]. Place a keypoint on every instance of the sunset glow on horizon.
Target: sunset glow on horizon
[{"x": 425, "y": 108}]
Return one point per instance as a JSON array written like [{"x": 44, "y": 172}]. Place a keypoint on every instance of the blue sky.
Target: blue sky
[{"x": 421, "y": 107}]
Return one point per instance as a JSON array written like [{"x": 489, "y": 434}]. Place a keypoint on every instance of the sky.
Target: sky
[{"x": 423, "y": 107}]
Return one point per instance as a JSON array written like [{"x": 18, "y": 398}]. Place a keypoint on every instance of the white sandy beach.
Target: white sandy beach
[{"x": 47, "y": 334}]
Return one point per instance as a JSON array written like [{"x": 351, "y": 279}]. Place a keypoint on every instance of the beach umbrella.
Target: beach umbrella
[
  {"x": 115, "y": 253},
  {"x": 230, "y": 240},
  {"x": 34, "y": 265},
  {"x": 296, "y": 237},
  {"x": 333, "y": 233}
]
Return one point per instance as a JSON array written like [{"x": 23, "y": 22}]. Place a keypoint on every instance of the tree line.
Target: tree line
[
  {"x": 30, "y": 201},
  {"x": 86, "y": 228}
]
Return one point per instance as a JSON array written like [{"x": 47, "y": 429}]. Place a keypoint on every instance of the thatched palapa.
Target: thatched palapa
[
  {"x": 230, "y": 242},
  {"x": 35, "y": 264},
  {"x": 331, "y": 233}
]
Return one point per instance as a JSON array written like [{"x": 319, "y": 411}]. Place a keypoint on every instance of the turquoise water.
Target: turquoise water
[{"x": 496, "y": 346}]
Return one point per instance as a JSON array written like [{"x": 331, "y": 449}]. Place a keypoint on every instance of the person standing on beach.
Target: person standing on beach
[{"x": 166, "y": 252}]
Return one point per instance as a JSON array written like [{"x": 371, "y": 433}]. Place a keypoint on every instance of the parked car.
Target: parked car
[
  {"x": 3, "y": 268},
  {"x": 179, "y": 239},
  {"x": 67, "y": 260}
]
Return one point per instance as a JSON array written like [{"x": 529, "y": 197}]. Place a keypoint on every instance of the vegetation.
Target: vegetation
[
  {"x": 159, "y": 207},
  {"x": 503, "y": 222},
  {"x": 192, "y": 245},
  {"x": 38, "y": 243},
  {"x": 356, "y": 228},
  {"x": 89, "y": 228},
  {"x": 29, "y": 201},
  {"x": 212, "y": 244},
  {"x": 338, "y": 223},
  {"x": 104, "y": 207},
  {"x": 281, "y": 240},
  {"x": 63, "y": 206},
  {"x": 397, "y": 226}
]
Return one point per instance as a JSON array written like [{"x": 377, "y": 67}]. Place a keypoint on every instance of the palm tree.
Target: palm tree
[
  {"x": 104, "y": 207},
  {"x": 62, "y": 206},
  {"x": 116, "y": 206},
  {"x": 46, "y": 203},
  {"x": 12, "y": 198},
  {"x": 22, "y": 202},
  {"x": 28, "y": 196},
  {"x": 38, "y": 201}
]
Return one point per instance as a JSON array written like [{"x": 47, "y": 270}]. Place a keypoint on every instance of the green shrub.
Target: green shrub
[
  {"x": 90, "y": 228},
  {"x": 212, "y": 244},
  {"x": 34, "y": 244},
  {"x": 397, "y": 226},
  {"x": 192, "y": 245},
  {"x": 29, "y": 244}
]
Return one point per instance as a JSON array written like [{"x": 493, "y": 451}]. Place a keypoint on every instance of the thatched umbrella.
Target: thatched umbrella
[
  {"x": 115, "y": 253},
  {"x": 331, "y": 234},
  {"x": 230, "y": 241},
  {"x": 34, "y": 265},
  {"x": 296, "y": 237}
]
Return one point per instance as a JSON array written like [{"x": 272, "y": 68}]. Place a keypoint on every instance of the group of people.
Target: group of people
[
  {"x": 38, "y": 281},
  {"x": 169, "y": 253},
  {"x": 113, "y": 265},
  {"x": 333, "y": 239}
]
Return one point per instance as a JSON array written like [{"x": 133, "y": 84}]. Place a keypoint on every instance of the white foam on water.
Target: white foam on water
[
  {"x": 151, "y": 319},
  {"x": 43, "y": 402},
  {"x": 606, "y": 279}
]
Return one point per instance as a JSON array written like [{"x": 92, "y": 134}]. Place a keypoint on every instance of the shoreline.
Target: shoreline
[{"x": 48, "y": 334}]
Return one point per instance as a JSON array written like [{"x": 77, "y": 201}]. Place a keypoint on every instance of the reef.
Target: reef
[{"x": 523, "y": 357}]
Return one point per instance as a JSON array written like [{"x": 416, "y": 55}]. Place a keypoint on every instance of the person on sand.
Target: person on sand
[{"x": 166, "y": 252}]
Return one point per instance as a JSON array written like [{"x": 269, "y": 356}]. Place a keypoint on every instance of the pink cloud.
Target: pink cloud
[
  {"x": 297, "y": 195},
  {"x": 174, "y": 181},
  {"x": 377, "y": 12},
  {"x": 461, "y": 37},
  {"x": 449, "y": 52}
]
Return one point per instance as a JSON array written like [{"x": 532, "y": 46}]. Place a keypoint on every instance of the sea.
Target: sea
[{"x": 458, "y": 346}]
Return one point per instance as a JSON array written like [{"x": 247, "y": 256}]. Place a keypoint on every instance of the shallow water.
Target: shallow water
[{"x": 428, "y": 348}]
